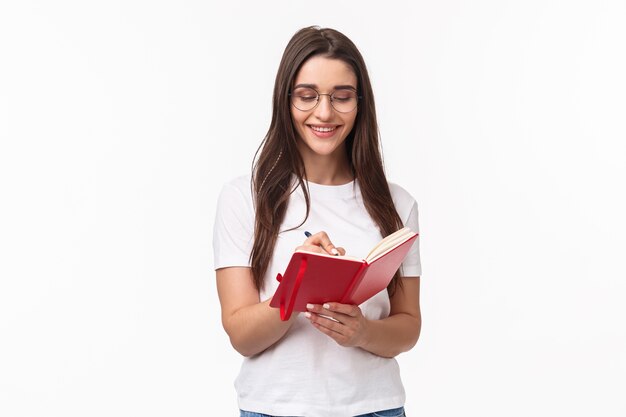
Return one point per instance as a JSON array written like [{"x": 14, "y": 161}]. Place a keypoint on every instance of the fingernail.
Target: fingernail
[
  {"x": 307, "y": 314},
  {"x": 327, "y": 306},
  {"x": 334, "y": 251},
  {"x": 309, "y": 306}
]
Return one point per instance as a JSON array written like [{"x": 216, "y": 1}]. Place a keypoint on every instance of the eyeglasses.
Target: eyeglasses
[{"x": 306, "y": 99}]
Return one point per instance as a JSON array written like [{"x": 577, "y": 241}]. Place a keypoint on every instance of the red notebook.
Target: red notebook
[{"x": 319, "y": 278}]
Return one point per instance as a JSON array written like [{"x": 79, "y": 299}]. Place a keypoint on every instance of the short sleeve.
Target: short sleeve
[
  {"x": 406, "y": 206},
  {"x": 412, "y": 266},
  {"x": 233, "y": 231}
]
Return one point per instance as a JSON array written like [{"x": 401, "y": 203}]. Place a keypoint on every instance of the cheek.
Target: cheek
[
  {"x": 350, "y": 124},
  {"x": 297, "y": 120},
  {"x": 295, "y": 123},
  {"x": 298, "y": 126}
]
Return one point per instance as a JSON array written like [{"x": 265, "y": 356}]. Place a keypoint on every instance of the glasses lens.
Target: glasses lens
[
  {"x": 344, "y": 101},
  {"x": 304, "y": 98}
]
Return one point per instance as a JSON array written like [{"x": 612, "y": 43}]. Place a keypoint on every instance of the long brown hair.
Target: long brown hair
[{"x": 277, "y": 160}]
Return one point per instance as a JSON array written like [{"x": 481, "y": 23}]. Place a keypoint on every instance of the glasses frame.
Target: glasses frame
[{"x": 330, "y": 97}]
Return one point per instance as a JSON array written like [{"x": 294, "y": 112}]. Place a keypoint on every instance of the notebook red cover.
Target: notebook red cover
[{"x": 317, "y": 279}]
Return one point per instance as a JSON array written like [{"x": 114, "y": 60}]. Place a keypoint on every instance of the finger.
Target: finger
[
  {"x": 311, "y": 248},
  {"x": 337, "y": 337},
  {"x": 322, "y": 239},
  {"x": 342, "y": 251},
  {"x": 320, "y": 310},
  {"x": 347, "y": 309},
  {"x": 325, "y": 321}
]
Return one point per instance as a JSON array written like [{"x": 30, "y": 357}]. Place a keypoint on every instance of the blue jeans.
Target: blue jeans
[{"x": 394, "y": 412}]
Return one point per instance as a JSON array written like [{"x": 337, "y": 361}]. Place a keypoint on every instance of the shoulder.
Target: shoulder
[
  {"x": 406, "y": 206},
  {"x": 401, "y": 197},
  {"x": 236, "y": 196},
  {"x": 242, "y": 183},
  {"x": 237, "y": 188}
]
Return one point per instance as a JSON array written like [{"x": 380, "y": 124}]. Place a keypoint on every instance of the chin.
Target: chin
[{"x": 322, "y": 149}]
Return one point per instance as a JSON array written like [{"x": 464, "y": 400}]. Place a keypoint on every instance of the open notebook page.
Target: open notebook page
[{"x": 387, "y": 244}]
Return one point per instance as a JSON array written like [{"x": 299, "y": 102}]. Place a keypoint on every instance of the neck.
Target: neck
[{"x": 328, "y": 169}]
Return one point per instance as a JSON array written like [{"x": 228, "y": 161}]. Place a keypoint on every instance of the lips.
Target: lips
[{"x": 324, "y": 131}]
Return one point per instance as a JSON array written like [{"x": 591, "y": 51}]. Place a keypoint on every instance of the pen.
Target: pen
[{"x": 307, "y": 234}]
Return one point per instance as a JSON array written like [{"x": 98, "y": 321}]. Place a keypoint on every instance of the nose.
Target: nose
[{"x": 324, "y": 109}]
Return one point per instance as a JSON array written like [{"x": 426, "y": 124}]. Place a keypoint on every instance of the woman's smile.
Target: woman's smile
[{"x": 324, "y": 131}]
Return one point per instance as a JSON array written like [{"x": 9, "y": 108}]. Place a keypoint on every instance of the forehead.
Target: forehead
[{"x": 325, "y": 73}]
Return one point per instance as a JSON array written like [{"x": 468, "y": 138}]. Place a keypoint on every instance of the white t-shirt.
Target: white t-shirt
[{"x": 307, "y": 373}]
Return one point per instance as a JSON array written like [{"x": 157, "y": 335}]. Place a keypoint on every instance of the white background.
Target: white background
[{"x": 121, "y": 120}]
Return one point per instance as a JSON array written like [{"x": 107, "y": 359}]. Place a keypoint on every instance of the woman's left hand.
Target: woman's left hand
[{"x": 344, "y": 323}]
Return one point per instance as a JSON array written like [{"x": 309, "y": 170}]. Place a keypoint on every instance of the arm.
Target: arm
[
  {"x": 400, "y": 331},
  {"x": 387, "y": 337},
  {"x": 251, "y": 325}
]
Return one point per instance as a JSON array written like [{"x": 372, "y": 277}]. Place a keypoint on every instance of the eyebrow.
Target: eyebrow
[{"x": 337, "y": 87}]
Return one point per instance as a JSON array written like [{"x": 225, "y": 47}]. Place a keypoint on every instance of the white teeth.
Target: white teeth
[{"x": 323, "y": 129}]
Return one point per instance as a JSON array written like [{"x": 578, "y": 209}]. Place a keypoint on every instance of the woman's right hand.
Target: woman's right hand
[{"x": 321, "y": 243}]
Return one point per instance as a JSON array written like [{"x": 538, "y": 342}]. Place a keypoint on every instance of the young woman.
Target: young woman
[{"x": 319, "y": 169}]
